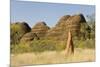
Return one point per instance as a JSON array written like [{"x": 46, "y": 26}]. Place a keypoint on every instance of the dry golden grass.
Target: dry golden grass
[{"x": 52, "y": 57}]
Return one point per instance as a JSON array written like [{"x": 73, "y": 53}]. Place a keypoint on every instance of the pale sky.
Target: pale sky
[{"x": 32, "y": 12}]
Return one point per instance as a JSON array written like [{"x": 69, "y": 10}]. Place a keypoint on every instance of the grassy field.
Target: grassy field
[{"x": 52, "y": 57}]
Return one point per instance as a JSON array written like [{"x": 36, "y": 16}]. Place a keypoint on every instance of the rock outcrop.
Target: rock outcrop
[
  {"x": 37, "y": 32},
  {"x": 57, "y": 31},
  {"x": 29, "y": 37},
  {"x": 18, "y": 30},
  {"x": 76, "y": 24},
  {"x": 40, "y": 29},
  {"x": 73, "y": 23}
]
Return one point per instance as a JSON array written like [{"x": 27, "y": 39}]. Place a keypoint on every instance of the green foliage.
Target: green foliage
[
  {"x": 17, "y": 31},
  {"x": 37, "y": 46},
  {"x": 20, "y": 48},
  {"x": 49, "y": 45},
  {"x": 91, "y": 23},
  {"x": 89, "y": 43},
  {"x": 42, "y": 45},
  {"x": 85, "y": 31}
]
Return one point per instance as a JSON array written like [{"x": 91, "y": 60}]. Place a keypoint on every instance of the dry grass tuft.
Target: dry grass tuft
[{"x": 52, "y": 57}]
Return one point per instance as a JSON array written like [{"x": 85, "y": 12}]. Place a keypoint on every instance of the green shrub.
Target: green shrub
[
  {"x": 37, "y": 46},
  {"x": 46, "y": 45},
  {"x": 89, "y": 43},
  {"x": 20, "y": 48},
  {"x": 49, "y": 45},
  {"x": 17, "y": 31}
]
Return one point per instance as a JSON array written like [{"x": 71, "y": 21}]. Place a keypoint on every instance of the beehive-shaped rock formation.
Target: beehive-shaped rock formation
[
  {"x": 40, "y": 29},
  {"x": 73, "y": 23},
  {"x": 57, "y": 31}
]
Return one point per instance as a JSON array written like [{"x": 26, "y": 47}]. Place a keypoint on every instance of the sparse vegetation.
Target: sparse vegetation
[
  {"x": 37, "y": 46},
  {"x": 44, "y": 45},
  {"x": 52, "y": 57},
  {"x": 89, "y": 43},
  {"x": 49, "y": 45}
]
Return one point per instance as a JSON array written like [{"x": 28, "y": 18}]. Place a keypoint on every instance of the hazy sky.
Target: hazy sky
[{"x": 32, "y": 12}]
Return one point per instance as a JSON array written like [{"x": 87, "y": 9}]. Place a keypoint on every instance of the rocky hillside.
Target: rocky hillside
[
  {"x": 76, "y": 24},
  {"x": 38, "y": 32},
  {"x": 29, "y": 37},
  {"x": 40, "y": 29}
]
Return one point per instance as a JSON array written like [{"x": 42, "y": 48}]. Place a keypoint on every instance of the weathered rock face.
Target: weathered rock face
[
  {"x": 20, "y": 27},
  {"x": 57, "y": 31},
  {"x": 18, "y": 30},
  {"x": 25, "y": 27},
  {"x": 40, "y": 29},
  {"x": 29, "y": 37},
  {"x": 74, "y": 23},
  {"x": 62, "y": 21}
]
